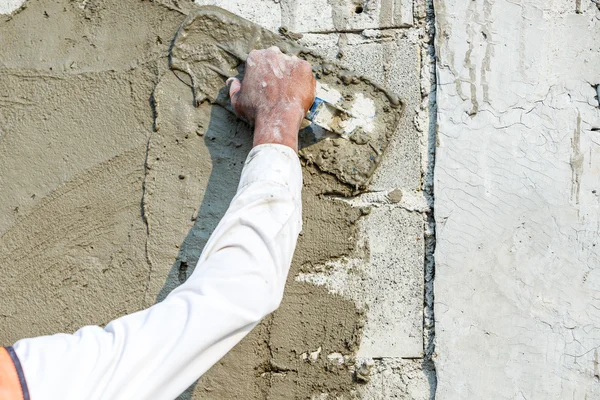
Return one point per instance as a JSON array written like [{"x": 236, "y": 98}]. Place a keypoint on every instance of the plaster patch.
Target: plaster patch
[
  {"x": 393, "y": 326},
  {"x": 207, "y": 144},
  {"x": 391, "y": 59}
]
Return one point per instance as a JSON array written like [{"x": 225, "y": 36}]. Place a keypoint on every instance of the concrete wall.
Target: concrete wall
[
  {"x": 107, "y": 198},
  {"x": 516, "y": 192},
  {"x": 111, "y": 181}
]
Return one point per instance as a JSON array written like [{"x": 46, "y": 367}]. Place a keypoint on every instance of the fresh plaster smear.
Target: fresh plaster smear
[{"x": 517, "y": 200}]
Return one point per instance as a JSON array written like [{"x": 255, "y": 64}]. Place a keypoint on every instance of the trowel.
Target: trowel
[
  {"x": 328, "y": 112},
  {"x": 331, "y": 111}
]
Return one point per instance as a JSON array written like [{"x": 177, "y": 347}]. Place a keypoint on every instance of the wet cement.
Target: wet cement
[
  {"x": 113, "y": 175},
  {"x": 212, "y": 44}
]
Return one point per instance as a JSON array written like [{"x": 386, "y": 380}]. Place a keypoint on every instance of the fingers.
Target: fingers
[
  {"x": 234, "y": 91},
  {"x": 271, "y": 77},
  {"x": 231, "y": 79}
]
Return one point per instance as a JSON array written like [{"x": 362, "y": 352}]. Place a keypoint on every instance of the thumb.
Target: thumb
[{"x": 234, "y": 92}]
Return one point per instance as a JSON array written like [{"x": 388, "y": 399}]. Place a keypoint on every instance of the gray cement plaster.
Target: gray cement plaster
[
  {"x": 517, "y": 200},
  {"x": 91, "y": 167}
]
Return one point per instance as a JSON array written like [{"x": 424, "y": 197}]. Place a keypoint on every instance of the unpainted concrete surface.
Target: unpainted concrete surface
[
  {"x": 517, "y": 188},
  {"x": 322, "y": 16},
  {"x": 112, "y": 180}
]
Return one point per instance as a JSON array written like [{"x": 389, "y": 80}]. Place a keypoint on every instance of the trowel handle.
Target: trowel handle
[{"x": 312, "y": 111}]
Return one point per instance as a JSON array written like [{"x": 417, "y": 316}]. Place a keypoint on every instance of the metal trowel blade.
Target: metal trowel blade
[{"x": 327, "y": 112}]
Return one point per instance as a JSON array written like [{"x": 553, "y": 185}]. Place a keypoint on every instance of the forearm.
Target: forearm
[{"x": 158, "y": 352}]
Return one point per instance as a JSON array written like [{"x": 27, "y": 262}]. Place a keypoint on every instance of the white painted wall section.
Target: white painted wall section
[{"x": 517, "y": 199}]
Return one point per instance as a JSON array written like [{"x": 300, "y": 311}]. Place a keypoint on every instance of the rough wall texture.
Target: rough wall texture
[
  {"x": 517, "y": 209},
  {"x": 111, "y": 181}
]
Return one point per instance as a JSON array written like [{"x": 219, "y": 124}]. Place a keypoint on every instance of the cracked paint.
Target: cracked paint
[{"x": 516, "y": 200}]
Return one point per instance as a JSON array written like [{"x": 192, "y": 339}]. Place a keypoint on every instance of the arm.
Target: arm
[{"x": 157, "y": 353}]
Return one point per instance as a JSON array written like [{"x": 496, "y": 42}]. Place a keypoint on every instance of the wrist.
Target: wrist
[{"x": 279, "y": 125}]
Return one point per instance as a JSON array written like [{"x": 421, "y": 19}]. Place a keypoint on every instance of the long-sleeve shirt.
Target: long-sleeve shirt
[{"x": 158, "y": 352}]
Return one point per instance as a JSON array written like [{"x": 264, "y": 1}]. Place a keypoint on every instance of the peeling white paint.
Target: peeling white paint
[{"x": 516, "y": 200}]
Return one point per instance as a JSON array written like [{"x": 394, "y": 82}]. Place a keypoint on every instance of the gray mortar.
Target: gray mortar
[{"x": 428, "y": 181}]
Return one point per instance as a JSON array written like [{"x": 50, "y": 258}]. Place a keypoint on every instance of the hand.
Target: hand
[{"x": 275, "y": 94}]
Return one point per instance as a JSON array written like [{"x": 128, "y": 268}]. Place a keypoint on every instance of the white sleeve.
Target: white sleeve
[{"x": 158, "y": 352}]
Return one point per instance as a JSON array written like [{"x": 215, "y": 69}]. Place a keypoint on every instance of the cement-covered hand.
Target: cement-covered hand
[{"x": 275, "y": 94}]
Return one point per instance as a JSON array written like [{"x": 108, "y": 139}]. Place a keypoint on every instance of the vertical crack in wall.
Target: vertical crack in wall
[
  {"x": 428, "y": 182},
  {"x": 143, "y": 203}
]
